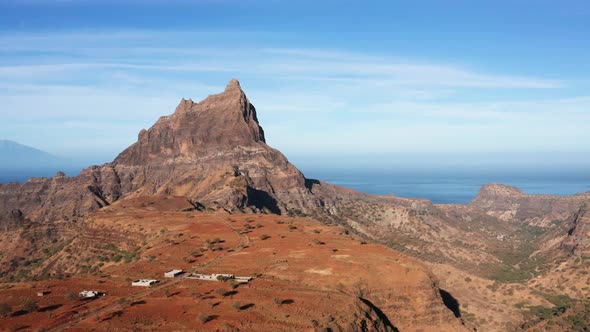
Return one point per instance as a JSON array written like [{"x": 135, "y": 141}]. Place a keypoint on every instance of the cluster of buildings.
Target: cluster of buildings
[
  {"x": 167, "y": 274},
  {"x": 219, "y": 277}
]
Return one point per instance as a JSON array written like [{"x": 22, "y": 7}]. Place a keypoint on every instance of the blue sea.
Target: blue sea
[
  {"x": 451, "y": 187},
  {"x": 439, "y": 186},
  {"x": 23, "y": 175}
]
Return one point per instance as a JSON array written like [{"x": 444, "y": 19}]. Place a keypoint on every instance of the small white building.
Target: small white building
[
  {"x": 244, "y": 280},
  {"x": 218, "y": 277},
  {"x": 210, "y": 277},
  {"x": 173, "y": 273},
  {"x": 144, "y": 282},
  {"x": 89, "y": 293}
]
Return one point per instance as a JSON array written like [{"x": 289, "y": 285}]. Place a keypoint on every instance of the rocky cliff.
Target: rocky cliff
[{"x": 510, "y": 203}]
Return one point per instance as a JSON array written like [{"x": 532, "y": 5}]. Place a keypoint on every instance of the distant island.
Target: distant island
[{"x": 18, "y": 162}]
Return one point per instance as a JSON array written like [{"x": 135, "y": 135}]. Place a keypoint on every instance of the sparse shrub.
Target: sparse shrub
[
  {"x": 264, "y": 237},
  {"x": 467, "y": 279},
  {"x": 221, "y": 292},
  {"x": 30, "y": 305},
  {"x": 71, "y": 296},
  {"x": 196, "y": 253},
  {"x": 277, "y": 300},
  {"x": 237, "y": 305},
  {"x": 5, "y": 309},
  {"x": 292, "y": 227},
  {"x": 204, "y": 318},
  {"x": 359, "y": 288},
  {"x": 222, "y": 278}
]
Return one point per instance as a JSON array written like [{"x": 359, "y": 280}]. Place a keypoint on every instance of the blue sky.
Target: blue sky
[{"x": 371, "y": 83}]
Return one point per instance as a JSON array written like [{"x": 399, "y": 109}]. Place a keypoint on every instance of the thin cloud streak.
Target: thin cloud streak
[{"x": 345, "y": 100}]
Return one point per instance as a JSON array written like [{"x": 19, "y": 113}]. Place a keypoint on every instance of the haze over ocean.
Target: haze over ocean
[
  {"x": 439, "y": 186},
  {"x": 453, "y": 186}
]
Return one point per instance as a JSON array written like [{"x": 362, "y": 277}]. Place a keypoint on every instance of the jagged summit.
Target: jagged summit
[
  {"x": 220, "y": 122},
  {"x": 233, "y": 84}
]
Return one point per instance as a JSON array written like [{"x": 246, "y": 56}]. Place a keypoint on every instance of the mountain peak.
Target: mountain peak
[
  {"x": 233, "y": 84},
  {"x": 221, "y": 122}
]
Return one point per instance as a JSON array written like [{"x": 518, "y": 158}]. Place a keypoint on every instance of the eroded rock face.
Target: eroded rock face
[
  {"x": 577, "y": 241},
  {"x": 198, "y": 131},
  {"x": 510, "y": 203}
]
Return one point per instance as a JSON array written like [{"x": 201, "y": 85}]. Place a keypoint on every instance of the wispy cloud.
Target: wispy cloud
[{"x": 82, "y": 81}]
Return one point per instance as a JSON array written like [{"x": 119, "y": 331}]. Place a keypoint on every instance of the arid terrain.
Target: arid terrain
[
  {"x": 307, "y": 276},
  {"x": 203, "y": 192}
]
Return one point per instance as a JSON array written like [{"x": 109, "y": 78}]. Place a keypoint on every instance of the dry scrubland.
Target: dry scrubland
[{"x": 308, "y": 276}]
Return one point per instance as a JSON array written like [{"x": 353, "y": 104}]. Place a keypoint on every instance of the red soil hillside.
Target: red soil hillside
[{"x": 308, "y": 277}]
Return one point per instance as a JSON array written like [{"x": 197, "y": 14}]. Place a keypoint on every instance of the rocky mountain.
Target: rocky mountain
[
  {"x": 212, "y": 152},
  {"x": 212, "y": 156}
]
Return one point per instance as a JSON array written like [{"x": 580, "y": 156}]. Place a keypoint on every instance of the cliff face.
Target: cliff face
[
  {"x": 195, "y": 131},
  {"x": 510, "y": 203},
  {"x": 577, "y": 241}
]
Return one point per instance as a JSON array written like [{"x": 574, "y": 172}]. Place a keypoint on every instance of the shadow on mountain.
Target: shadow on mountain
[
  {"x": 310, "y": 182},
  {"x": 450, "y": 302},
  {"x": 382, "y": 316},
  {"x": 262, "y": 200}
]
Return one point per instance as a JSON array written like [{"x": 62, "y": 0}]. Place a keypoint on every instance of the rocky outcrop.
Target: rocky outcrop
[
  {"x": 510, "y": 203},
  {"x": 364, "y": 316},
  {"x": 577, "y": 241}
]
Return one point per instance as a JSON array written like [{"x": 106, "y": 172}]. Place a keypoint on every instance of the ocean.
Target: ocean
[
  {"x": 23, "y": 175},
  {"x": 453, "y": 187}
]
